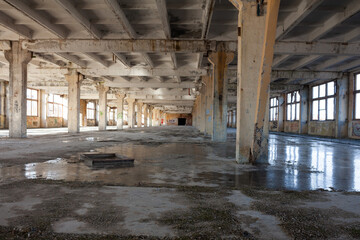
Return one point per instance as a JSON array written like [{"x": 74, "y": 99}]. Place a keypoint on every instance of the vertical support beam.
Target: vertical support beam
[
  {"x": 351, "y": 103},
  {"x": 18, "y": 60},
  {"x": 2, "y": 104},
  {"x": 304, "y": 109},
  {"x": 74, "y": 80},
  {"x": 255, "y": 55},
  {"x": 131, "y": 112},
  {"x": 102, "y": 106},
  {"x": 229, "y": 118},
  {"x": 146, "y": 115},
  {"x": 342, "y": 106},
  {"x": 220, "y": 61},
  {"x": 202, "y": 106},
  {"x": 233, "y": 125},
  {"x": 43, "y": 108},
  {"x": 281, "y": 113},
  {"x": 151, "y": 108},
  {"x": 139, "y": 114},
  {"x": 120, "y": 111},
  {"x": 209, "y": 105}
]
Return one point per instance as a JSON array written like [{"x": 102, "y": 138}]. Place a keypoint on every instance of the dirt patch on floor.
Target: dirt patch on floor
[
  {"x": 305, "y": 222},
  {"x": 210, "y": 214}
]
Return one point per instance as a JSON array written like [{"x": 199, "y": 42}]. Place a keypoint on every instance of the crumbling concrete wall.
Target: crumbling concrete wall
[
  {"x": 33, "y": 121},
  {"x": 54, "y": 122},
  {"x": 326, "y": 128}
]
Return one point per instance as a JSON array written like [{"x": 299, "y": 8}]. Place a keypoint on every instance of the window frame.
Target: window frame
[
  {"x": 91, "y": 109},
  {"x": 356, "y": 93},
  {"x": 53, "y": 103},
  {"x": 32, "y": 100},
  {"x": 111, "y": 111},
  {"x": 276, "y": 106},
  {"x": 295, "y": 102},
  {"x": 326, "y": 97}
]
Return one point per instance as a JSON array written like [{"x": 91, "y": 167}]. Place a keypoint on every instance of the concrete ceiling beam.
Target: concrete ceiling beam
[
  {"x": 294, "y": 18},
  {"x": 279, "y": 60},
  {"x": 80, "y": 18},
  {"x": 38, "y": 17},
  {"x": 150, "y": 85},
  {"x": 305, "y": 75},
  {"x": 317, "y": 48},
  {"x": 74, "y": 59},
  {"x": 122, "y": 59},
  {"x": 150, "y": 45},
  {"x": 336, "y": 19},
  {"x": 10, "y": 24},
  {"x": 146, "y": 72},
  {"x": 98, "y": 59},
  {"x": 331, "y": 62},
  {"x": 120, "y": 15},
  {"x": 304, "y": 62}
]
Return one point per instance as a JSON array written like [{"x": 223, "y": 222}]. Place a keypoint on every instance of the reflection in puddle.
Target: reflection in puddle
[{"x": 295, "y": 166}]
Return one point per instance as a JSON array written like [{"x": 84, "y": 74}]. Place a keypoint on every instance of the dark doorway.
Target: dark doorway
[{"x": 181, "y": 121}]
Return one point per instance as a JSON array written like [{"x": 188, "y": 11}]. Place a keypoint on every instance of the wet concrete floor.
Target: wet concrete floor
[
  {"x": 181, "y": 185},
  {"x": 181, "y": 156}
]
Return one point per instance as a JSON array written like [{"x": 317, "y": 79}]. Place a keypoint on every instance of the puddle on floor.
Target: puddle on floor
[{"x": 200, "y": 165}]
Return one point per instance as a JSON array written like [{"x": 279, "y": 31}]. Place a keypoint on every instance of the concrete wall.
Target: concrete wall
[
  {"x": 91, "y": 122},
  {"x": 33, "y": 122},
  {"x": 291, "y": 126},
  {"x": 111, "y": 123},
  {"x": 172, "y": 119},
  {"x": 326, "y": 128},
  {"x": 355, "y": 129},
  {"x": 54, "y": 122}
]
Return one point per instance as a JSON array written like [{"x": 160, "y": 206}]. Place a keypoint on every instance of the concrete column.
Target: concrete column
[
  {"x": 220, "y": 61},
  {"x": 256, "y": 41},
  {"x": 139, "y": 114},
  {"x": 233, "y": 120},
  {"x": 43, "y": 108},
  {"x": 209, "y": 92},
  {"x": 151, "y": 108},
  {"x": 74, "y": 80},
  {"x": 304, "y": 109},
  {"x": 102, "y": 106},
  {"x": 2, "y": 104},
  {"x": 18, "y": 60},
  {"x": 202, "y": 110},
  {"x": 120, "y": 111},
  {"x": 342, "y": 106},
  {"x": 281, "y": 113},
  {"x": 145, "y": 115},
  {"x": 131, "y": 112}
]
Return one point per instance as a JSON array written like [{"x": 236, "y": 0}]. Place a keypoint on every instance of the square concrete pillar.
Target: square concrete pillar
[
  {"x": 131, "y": 112},
  {"x": 3, "y": 111},
  {"x": 220, "y": 61},
  {"x": 151, "y": 108},
  {"x": 342, "y": 106},
  {"x": 139, "y": 114},
  {"x": 74, "y": 80},
  {"x": 145, "y": 115},
  {"x": 43, "y": 108},
  {"x": 102, "y": 106},
  {"x": 304, "y": 109},
  {"x": 18, "y": 60},
  {"x": 281, "y": 113},
  {"x": 209, "y": 92},
  {"x": 120, "y": 110},
  {"x": 256, "y": 40}
]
